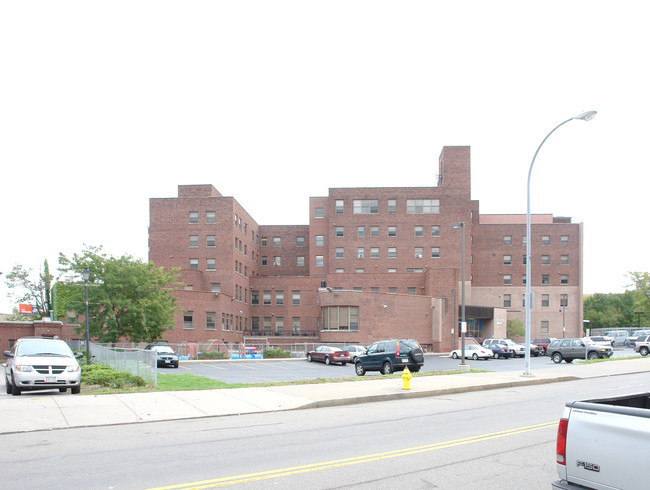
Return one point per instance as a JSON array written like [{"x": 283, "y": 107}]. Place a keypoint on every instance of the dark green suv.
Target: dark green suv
[{"x": 391, "y": 355}]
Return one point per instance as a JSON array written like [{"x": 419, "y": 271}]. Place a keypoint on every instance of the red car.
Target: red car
[{"x": 328, "y": 355}]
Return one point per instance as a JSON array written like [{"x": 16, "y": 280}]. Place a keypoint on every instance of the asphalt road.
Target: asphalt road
[
  {"x": 253, "y": 371},
  {"x": 502, "y": 438}
]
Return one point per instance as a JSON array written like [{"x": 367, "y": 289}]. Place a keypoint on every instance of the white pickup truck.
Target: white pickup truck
[{"x": 604, "y": 444}]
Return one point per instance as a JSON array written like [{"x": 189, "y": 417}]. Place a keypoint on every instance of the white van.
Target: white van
[{"x": 619, "y": 336}]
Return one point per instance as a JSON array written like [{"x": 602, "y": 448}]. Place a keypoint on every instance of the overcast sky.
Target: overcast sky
[{"x": 104, "y": 105}]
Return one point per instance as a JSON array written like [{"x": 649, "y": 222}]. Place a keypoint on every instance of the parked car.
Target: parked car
[
  {"x": 328, "y": 355},
  {"x": 619, "y": 336},
  {"x": 543, "y": 342},
  {"x": 517, "y": 349},
  {"x": 355, "y": 351},
  {"x": 474, "y": 352},
  {"x": 500, "y": 351},
  {"x": 629, "y": 342},
  {"x": 570, "y": 349},
  {"x": 165, "y": 355},
  {"x": 536, "y": 350},
  {"x": 41, "y": 364},
  {"x": 387, "y": 356},
  {"x": 642, "y": 345},
  {"x": 600, "y": 340}
]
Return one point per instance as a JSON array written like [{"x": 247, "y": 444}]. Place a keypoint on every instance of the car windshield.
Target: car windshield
[{"x": 43, "y": 348}]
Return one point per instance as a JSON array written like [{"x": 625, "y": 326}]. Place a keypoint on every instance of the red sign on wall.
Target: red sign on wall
[{"x": 25, "y": 309}]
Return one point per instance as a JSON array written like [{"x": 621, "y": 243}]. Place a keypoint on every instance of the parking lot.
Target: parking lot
[{"x": 260, "y": 371}]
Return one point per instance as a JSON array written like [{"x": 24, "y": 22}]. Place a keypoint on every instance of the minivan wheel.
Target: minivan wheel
[
  {"x": 358, "y": 368},
  {"x": 15, "y": 391},
  {"x": 557, "y": 357},
  {"x": 386, "y": 368}
]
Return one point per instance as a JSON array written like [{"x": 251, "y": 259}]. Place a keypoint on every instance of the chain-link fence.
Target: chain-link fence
[
  {"x": 217, "y": 349},
  {"x": 138, "y": 362}
]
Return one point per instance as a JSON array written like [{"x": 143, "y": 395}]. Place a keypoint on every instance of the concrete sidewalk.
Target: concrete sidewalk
[{"x": 46, "y": 411}]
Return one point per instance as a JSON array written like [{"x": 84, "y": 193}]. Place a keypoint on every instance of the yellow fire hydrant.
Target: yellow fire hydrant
[{"x": 406, "y": 378}]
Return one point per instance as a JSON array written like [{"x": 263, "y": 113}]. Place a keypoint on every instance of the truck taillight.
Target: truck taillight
[{"x": 560, "y": 448}]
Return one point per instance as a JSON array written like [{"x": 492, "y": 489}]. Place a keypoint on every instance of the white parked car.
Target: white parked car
[
  {"x": 600, "y": 340},
  {"x": 473, "y": 352},
  {"x": 619, "y": 336},
  {"x": 642, "y": 345},
  {"x": 518, "y": 350},
  {"x": 41, "y": 364}
]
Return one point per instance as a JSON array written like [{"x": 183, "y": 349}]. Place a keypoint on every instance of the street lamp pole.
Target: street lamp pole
[
  {"x": 463, "y": 325},
  {"x": 86, "y": 275},
  {"x": 585, "y": 116},
  {"x": 637, "y": 313}
]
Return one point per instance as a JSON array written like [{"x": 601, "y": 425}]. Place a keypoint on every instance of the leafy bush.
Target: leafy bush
[
  {"x": 275, "y": 353},
  {"x": 213, "y": 355},
  {"x": 515, "y": 328},
  {"x": 98, "y": 374}
]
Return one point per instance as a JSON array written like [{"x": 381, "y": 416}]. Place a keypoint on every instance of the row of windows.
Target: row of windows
[
  {"x": 546, "y": 279},
  {"x": 266, "y": 326},
  {"x": 235, "y": 323},
  {"x": 279, "y": 297},
  {"x": 211, "y": 219},
  {"x": 545, "y": 300},
  {"x": 545, "y": 240},
  {"x": 340, "y": 318},
  {"x": 211, "y": 242},
  {"x": 418, "y": 231},
  {"x": 229, "y": 322},
  {"x": 545, "y": 259},
  {"x": 371, "y": 206},
  {"x": 418, "y": 253},
  {"x": 277, "y": 241}
]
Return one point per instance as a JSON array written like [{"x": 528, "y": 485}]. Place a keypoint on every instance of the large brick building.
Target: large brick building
[{"x": 372, "y": 263}]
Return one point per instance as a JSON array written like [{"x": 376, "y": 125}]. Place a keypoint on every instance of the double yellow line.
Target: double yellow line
[{"x": 337, "y": 463}]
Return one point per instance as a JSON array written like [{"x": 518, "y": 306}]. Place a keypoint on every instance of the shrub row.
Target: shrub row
[
  {"x": 98, "y": 374},
  {"x": 275, "y": 353}
]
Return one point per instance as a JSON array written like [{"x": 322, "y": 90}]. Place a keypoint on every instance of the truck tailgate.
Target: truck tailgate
[{"x": 607, "y": 446}]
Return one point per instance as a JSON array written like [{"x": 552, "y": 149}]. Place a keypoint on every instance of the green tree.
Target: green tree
[
  {"x": 38, "y": 293},
  {"x": 641, "y": 283},
  {"x": 127, "y": 298},
  {"x": 612, "y": 310},
  {"x": 515, "y": 328}
]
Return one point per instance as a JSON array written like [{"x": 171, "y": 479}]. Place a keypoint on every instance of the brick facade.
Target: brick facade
[{"x": 379, "y": 262}]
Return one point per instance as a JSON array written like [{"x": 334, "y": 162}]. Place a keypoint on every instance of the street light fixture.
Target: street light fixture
[
  {"x": 463, "y": 325},
  {"x": 585, "y": 116},
  {"x": 86, "y": 275}
]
